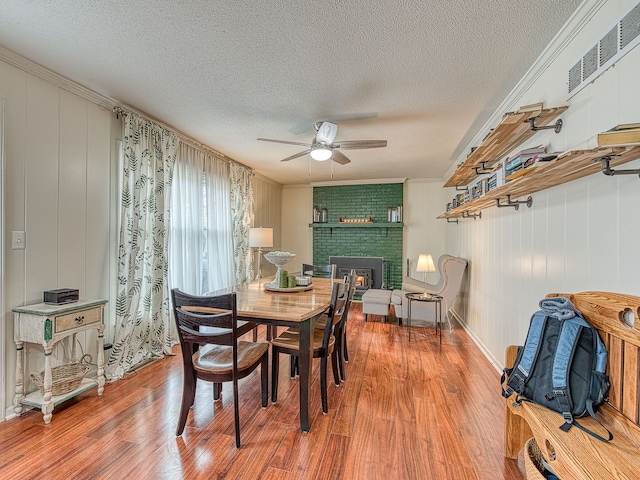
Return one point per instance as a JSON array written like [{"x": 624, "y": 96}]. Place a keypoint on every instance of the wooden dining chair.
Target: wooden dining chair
[
  {"x": 326, "y": 271},
  {"x": 341, "y": 328},
  {"x": 323, "y": 271},
  {"x": 340, "y": 331},
  {"x": 208, "y": 332},
  {"x": 324, "y": 343}
]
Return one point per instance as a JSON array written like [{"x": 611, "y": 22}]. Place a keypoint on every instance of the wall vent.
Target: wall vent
[{"x": 612, "y": 46}]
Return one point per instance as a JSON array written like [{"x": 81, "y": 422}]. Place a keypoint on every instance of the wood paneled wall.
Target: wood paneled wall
[
  {"x": 268, "y": 213},
  {"x": 59, "y": 187}
]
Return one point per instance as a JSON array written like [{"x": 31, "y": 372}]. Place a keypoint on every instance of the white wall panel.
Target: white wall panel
[
  {"x": 297, "y": 214},
  {"x": 423, "y": 232},
  {"x": 72, "y": 193},
  {"x": 268, "y": 214},
  {"x": 100, "y": 183},
  {"x": 41, "y": 188},
  {"x": 629, "y": 227},
  {"x": 629, "y": 98},
  {"x": 603, "y": 233}
]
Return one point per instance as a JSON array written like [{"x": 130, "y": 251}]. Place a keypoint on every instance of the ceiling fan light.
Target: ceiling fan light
[{"x": 321, "y": 154}]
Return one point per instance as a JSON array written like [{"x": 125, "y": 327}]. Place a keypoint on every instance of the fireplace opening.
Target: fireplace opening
[
  {"x": 364, "y": 277},
  {"x": 369, "y": 271}
]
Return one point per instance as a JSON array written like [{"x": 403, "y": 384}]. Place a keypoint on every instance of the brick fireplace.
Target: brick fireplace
[{"x": 379, "y": 239}]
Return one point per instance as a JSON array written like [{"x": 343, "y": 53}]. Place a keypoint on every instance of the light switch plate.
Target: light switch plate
[{"x": 18, "y": 240}]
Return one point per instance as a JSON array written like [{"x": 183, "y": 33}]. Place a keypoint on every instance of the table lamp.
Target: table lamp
[
  {"x": 258, "y": 238},
  {"x": 425, "y": 265}
]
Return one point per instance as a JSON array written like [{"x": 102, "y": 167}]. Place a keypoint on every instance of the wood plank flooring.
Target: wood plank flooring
[{"x": 415, "y": 410}]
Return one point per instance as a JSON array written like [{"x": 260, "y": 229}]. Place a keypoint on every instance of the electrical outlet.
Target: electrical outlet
[{"x": 18, "y": 240}]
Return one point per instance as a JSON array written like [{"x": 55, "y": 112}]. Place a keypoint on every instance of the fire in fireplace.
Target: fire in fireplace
[
  {"x": 364, "y": 277},
  {"x": 369, "y": 270}
]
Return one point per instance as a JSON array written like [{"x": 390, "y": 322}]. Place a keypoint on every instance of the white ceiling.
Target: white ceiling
[{"x": 225, "y": 73}]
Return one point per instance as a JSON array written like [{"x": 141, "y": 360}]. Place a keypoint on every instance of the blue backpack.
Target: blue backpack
[{"x": 561, "y": 365}]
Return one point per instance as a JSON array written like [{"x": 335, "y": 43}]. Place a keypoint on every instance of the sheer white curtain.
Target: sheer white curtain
[
  {"x": 201, "y": 249},
  {"x": 219, "y": 251},
  {"x": 187, "y": 241}
]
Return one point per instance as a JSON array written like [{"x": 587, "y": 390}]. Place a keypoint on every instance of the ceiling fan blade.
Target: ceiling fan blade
[
  {"x": 284, "y": 141},
  {"x": 339, "y": 157},
  {"x": 352, "y": 144},
  {"x": 296, "y": 155},
  {"x": 308, "y": 125}
]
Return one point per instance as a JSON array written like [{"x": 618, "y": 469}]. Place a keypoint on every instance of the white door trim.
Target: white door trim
[{"x": 3, "y": 283}]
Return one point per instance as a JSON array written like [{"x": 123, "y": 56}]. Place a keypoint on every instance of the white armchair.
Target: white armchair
[{"x": 451, "y": 273}]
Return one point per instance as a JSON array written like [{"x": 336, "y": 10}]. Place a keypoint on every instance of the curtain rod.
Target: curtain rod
[{"x": 124, "y": 111}]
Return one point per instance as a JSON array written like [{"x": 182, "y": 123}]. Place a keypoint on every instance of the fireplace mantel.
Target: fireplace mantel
[{"x": 358, "y": 225}]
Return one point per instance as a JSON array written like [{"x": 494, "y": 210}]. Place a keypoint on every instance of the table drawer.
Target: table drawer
[{"x": 77, "y": 319}]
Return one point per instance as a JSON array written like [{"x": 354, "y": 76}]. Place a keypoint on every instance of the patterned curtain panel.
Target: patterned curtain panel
[
  {"x": 242, "y": 212},
  {"x": 143, "y": 328}
]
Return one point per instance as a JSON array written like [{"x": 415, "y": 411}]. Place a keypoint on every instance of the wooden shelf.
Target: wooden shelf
[
  {"x": 569, "y": 166},
  {"x": 512, "y": 131},
  {"x": 36, "y": 399}
]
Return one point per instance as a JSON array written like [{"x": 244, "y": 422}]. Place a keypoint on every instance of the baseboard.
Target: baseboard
[
  {"x": 498, "y": 365},
  {"x": 9, "y": 414}
]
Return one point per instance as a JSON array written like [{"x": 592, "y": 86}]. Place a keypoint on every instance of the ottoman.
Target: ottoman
[{"x": 376, "y": 302}]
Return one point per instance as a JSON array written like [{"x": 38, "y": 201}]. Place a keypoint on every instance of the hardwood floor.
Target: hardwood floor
[{"x": 407, "y": 411}]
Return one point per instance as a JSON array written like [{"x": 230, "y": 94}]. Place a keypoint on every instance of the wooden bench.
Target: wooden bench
[{"x": 575, "y": 454}]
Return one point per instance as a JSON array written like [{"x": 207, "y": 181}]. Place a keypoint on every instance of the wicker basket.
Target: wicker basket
[
  {"x": 533, "y": 460},
  {"x": 64, "y": 378}
]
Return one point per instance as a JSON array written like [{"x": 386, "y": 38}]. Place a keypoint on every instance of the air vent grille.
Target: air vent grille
[
  {"x": 612, "y": 46},
  {"x": 590, "y": 62},
  {"x": 630, "y": 27},
  {"x": 608, "y": 46},
  {"x": 575, "y": 76}
]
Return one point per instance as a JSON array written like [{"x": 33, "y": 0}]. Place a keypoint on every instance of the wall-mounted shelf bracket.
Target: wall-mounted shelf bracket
[
  {"x": 452, "y": 220},
  {"x": 557, "y": 127},
  {"x": 515, "y": 203},
  {"x": 461, "y": 189},
  {"x": 609, "y": 171},
  {"x": 482, "y": 169},
  {"x": 466, "y": 214}
]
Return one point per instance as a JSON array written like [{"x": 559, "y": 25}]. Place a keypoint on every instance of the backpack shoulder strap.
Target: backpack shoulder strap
[
  {"x": 571, "y": 329},
  {"x": 527, "y": 356},
  {"x": 532, "y": 345}
]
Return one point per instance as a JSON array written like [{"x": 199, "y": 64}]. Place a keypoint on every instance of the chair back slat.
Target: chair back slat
[
  {"x": 350, "y": 282},
  {"x": 203, "y": 329},
  {"x": 327, "y": 271},
  {"x": 205, "y": 320},
  {"x": 339, "y": 296}
]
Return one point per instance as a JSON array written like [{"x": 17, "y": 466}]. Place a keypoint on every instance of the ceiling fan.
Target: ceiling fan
[{"x": 322, "y": 148}]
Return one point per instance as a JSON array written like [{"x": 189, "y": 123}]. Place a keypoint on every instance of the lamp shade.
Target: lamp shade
[
  {"x": 425, "y": 263},
  {"x": 261, "y": 237}
]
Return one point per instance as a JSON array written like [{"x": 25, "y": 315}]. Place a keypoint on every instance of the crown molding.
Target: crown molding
[{"x": 52, "y": 77}]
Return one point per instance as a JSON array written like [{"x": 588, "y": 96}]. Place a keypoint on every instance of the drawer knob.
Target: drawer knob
[{"x": 79, "y": 320}]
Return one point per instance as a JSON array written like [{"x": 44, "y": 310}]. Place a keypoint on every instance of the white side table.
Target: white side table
[{"x": 46, "y": 325}]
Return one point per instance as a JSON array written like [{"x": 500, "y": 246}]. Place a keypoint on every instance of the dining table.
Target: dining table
[{"x": 295, "y": 307}]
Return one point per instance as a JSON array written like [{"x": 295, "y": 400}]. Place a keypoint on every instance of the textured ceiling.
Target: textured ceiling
[{"x": 427, "y": 74}]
